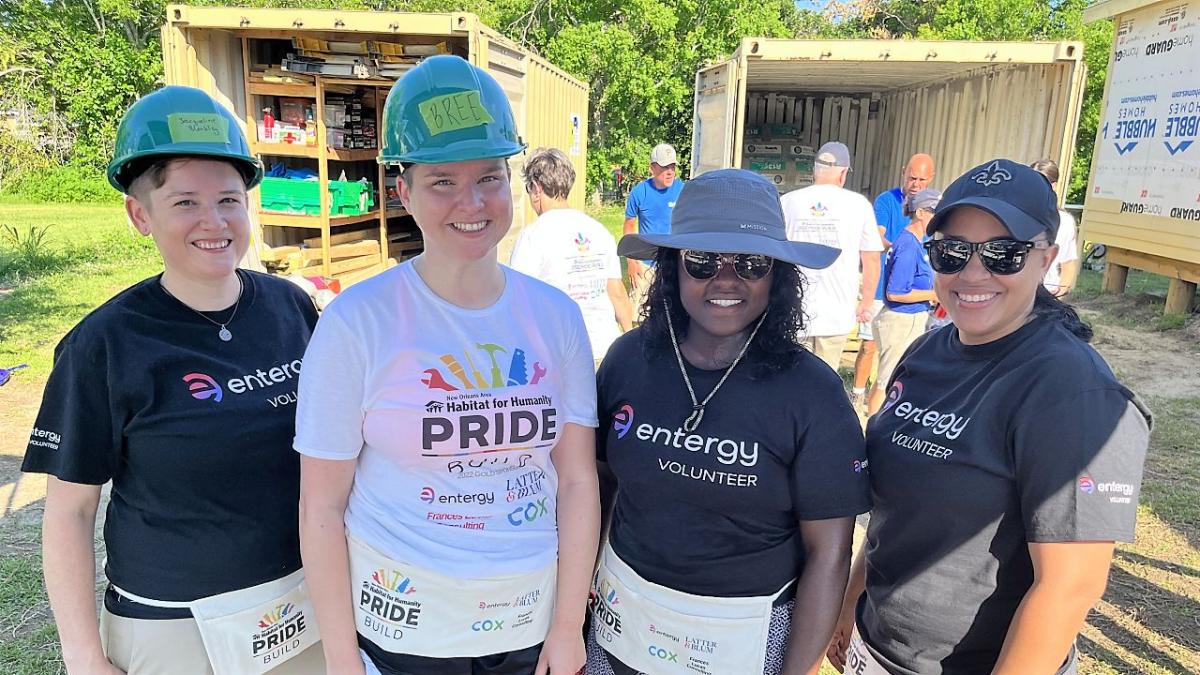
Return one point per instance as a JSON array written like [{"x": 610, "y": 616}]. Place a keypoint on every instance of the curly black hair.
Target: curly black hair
[{"x": 774, "y": 348}]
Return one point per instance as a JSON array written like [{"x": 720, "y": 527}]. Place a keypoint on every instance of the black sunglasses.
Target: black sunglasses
[
  {"x": 704, "y": 265},
  {"x": 999, "y": 256}
]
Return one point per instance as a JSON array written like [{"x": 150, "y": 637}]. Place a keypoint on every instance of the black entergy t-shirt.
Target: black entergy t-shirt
[
  {"x": 978, "y": 451},
  {"x": 716, "y": 512},
  {"x": 194, "y": 433}
]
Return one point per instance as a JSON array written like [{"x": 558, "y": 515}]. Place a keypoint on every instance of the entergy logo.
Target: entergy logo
[
  {"x": 894, "y": 395},
  {"x": 1086, "y": 484},
  {"x": 203, "y": 387},
  {"x": 428, "y": 495},
  {"x": 623, "y": 420}
]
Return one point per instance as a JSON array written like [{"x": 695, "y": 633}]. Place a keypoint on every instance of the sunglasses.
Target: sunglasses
[
  {"x": 703, "y": 265},
  {"x": 999, "y": 256}
]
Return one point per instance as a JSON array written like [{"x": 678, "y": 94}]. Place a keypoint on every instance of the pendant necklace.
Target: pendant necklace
[
  {"x": 223, "y": 333},
  {"x": 693, "y": 420}
]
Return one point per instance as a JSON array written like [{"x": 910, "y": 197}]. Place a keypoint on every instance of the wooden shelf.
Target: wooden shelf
[
  {"x": 313, "y": 222},
  {"x": 396, "y": 212},
  {"x": 280, "y": 89},
  {"x": 286, "y": 150},
  {"x": 351, "y": 220},
  {"x": 352, "y": 155},
  {"x": 355, "y": 82}
]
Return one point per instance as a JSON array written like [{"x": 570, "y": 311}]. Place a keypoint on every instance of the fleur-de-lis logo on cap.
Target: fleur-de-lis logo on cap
[{"x": 992, "y": 174}]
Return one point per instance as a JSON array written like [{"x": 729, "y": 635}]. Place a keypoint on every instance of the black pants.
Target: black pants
[{"x": 520, "y": 662}]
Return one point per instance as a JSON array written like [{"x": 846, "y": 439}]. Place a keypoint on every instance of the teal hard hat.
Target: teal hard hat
[
  {"x": 178, "y": 121},
  {"x": 447, "y": 110}
]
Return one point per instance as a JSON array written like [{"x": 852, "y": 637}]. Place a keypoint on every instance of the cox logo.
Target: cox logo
[
  {"x": 427, "y": 494},
  {"x": 663, "y": 654},
  {"x": 528, "y": 513},
  {"x": 202, "y": 387},
  {"x": 623, "y": 420},
  {"x": 1086, "y": 484},
  {"x": 487, "y": 625}
]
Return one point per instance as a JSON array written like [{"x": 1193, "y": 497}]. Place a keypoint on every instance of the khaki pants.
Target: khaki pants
[
  {"x": 828, "y": 348},
  {"x": 894, "y": 332},
  {"x": 638, "y": 295},
  {"x": 174, "y": 647}
]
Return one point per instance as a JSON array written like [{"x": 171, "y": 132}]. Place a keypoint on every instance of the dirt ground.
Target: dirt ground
[{"x": 1148, "y": 622}]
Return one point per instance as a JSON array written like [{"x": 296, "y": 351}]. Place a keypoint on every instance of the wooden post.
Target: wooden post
[
  {"x": 1181, "y": 297},
  {"x": 1114, "y": 277}
]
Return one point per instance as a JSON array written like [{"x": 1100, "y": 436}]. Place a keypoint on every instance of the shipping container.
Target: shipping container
[
  {"x": 1143, "y": 197},
  {"x": 774, "y": 102},
  {"x": 340, "y": 66}
]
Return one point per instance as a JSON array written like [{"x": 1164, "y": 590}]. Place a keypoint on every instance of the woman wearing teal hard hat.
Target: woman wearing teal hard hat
[
  {"x": 449, "y": 507},
  {"x": 177, "y": 391}
]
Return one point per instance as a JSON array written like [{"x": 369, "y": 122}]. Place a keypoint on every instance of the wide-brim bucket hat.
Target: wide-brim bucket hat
[{"x": 729, "y": 211}]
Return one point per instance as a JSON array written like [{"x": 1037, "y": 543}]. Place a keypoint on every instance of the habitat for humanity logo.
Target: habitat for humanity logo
[
  {"x": 582, "y": 243},
  {"x": 818, "y": 210},
  {"x": 203, "y": 387},
  {"x": 276, "y": 615},
  {"x": 469, "y": 376},
  {"x": 623, "y": 420},
  {"x": 393, "y": 581}
]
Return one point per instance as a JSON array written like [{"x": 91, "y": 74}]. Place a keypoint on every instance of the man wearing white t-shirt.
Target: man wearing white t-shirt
[
  {"x": 1060, "y": 278},
  {"x": 572, "y": 252},
  {"x": 827, "y": 213}
]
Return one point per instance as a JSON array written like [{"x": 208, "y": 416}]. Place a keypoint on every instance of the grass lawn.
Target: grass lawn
[{"x": 1148, "y": 622}]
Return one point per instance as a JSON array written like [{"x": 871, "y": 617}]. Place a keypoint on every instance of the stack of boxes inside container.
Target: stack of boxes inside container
[
  {"x": 346, "y": 126},
  {"x": 783, "y": 132}
]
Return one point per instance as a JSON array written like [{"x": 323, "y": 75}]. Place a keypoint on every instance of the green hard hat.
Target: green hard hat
[
  {"x": 179, "y": 121},
  {"x": 447, "y": 110}
]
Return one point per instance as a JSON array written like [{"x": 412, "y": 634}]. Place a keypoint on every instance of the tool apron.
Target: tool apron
[
  {"x": 655, "y": 629},
  {"x": 406, "y": 609},
  {"x": 251, "y": 630},
  {"x": 859, "y": 660}
]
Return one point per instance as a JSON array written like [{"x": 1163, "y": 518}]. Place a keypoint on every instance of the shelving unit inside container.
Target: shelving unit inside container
[{"x": 328, "y": 208}]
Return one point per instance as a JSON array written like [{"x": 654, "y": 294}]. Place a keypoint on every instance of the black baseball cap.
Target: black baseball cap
[{"x": 1019, "y": 197}]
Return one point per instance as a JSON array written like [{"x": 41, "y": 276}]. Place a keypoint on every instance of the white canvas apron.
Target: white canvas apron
[
  {"x": 655, "y": 629},
  {"x": 859, "y": 660},
  {"x": 251, "y": 630},
  {"x": 405, "y": 609}
]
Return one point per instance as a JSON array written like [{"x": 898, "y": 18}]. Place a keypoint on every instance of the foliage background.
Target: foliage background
[{"x": 70, "y": 67}]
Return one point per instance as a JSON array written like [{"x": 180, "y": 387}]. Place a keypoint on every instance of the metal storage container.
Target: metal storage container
[
  {"x": 769, "y": 106},
  {"x": 215, "y": 49}
]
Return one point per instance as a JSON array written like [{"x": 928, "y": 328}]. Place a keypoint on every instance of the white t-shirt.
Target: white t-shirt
[
  {"x": 451, "y": 414},
  {"x": 1066, "y": 250},
  {"x": 833, "y": 216},
  {"x": 575, "y": 254}
]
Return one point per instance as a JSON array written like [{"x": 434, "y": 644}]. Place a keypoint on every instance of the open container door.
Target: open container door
[{"x": 717, "y": 117}]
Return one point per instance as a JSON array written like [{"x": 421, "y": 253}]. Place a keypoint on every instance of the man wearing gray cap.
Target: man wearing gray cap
[
  {"x": 648, "y": 211},
  {"x": 827, "y": 213}
]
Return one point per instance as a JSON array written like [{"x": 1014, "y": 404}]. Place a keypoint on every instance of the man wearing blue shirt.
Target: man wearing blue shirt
[
  {"x": 648, "y": 211},
  {"x": 889, "y": 214}
]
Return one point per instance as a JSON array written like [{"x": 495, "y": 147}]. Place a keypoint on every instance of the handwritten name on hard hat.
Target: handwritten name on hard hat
[{"x": 451, "y": 112}]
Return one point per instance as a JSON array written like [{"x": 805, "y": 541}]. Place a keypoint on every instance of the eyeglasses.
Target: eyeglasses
[
  {"x": 704, "y": 265},
  {"x": 999, "y": 256}
]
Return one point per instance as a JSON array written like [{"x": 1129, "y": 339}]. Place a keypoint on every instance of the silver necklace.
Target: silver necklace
[
  {"x": 693, "y": 420},
  {"x": 224, "y": 333}
]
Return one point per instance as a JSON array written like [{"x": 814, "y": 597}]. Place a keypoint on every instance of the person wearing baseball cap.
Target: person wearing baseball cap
[
  {"x": 908, "y": 294},
  {"x": 1005, "y": 463},
  {"x": 735, "y": 459},
  {"x": 163, "y": 392},
  {"x": 648, "y": 211},
  {"x": 827, "y": 213},
  {"x": 449, "y": 508}
]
